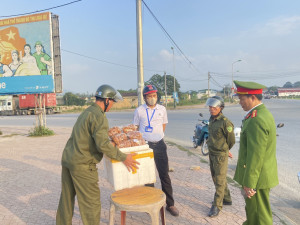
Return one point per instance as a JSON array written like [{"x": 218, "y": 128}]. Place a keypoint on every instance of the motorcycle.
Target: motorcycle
[{"x": 201, "y": 135}]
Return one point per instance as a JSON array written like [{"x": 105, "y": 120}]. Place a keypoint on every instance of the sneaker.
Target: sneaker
[{"x": 173, "y": 210}]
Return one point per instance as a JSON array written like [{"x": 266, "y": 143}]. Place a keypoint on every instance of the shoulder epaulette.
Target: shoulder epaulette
[{"x": 254, "y": 113}]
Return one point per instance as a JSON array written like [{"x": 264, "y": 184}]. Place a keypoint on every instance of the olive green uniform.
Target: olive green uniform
[
  {"x": 220, "y": 141},
  {"x": 85, "y": 148},
  {"x": 257, "y": 164}
]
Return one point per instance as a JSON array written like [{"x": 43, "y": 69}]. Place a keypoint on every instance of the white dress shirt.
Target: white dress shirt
[{"x": 159, "y": 118}]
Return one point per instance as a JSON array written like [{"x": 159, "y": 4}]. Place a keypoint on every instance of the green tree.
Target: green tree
[
  {"x": 296, "y": 84},
  {"x": 193, "y": 94},
  {"x": 273, "y": 90},
  {"x": 72, "y": 99},
  {"x": 159, "y": 82},
  {"x": 288, "y": 85}
]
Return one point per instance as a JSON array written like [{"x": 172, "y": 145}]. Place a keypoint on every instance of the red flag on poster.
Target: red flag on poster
[{"x": 10, "y": 40}]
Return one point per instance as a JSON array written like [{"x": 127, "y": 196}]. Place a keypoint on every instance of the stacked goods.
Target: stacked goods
[
  {"x": 125, "y": 137},
  {"x": 129, "y": 140}
]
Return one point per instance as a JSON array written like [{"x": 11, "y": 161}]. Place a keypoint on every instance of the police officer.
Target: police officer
[
  {"x": 151, "y": 118},
  {"x": 220, "y": 141},
  {"x": 256, "y": 168},
  {"x": 85, "y": 148}
]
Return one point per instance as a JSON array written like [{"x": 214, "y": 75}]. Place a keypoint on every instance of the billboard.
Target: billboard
[{"x": 27, "y": 55}]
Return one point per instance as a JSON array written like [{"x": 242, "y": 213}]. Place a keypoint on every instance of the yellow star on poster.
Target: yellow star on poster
[{"x": 11, "y": 35}]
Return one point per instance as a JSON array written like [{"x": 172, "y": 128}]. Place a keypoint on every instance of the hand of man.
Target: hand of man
[
  {"x": 230, "y": 155},
  {"x": 130, "y": 163},
  {"x": 249, "y": 192}
]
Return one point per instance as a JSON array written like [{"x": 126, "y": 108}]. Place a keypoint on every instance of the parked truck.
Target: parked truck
[{"x": 27, "y": 104}]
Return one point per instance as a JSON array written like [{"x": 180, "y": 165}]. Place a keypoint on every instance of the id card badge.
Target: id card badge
[{"x": 148, "y": 129}]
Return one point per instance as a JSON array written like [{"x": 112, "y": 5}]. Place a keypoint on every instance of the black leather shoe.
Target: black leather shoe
[
  {"x": 173, "y": 210},
  {"x": 227, "y": 203},
  {"x": 214, "y": 211}
]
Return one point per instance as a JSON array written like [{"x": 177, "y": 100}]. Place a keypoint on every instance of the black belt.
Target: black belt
[{"x": 155, "y": 143}]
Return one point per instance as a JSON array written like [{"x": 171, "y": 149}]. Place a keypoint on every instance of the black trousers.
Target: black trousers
[{"x": 162, "y": 166}]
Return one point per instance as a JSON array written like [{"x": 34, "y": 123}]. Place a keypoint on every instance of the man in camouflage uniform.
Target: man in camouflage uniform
[
  {"x": 256, "y": 168},
  {"x": 220, "y": 140},
  {"x": 85, "y": 148}
]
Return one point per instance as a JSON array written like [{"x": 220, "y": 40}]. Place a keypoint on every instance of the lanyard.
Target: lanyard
[{"x": 151, "y": 116}]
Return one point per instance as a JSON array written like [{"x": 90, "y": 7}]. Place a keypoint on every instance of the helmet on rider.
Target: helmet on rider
[
  {"x": 215, "y": 101},
  {"x": 107, "y": 92}
]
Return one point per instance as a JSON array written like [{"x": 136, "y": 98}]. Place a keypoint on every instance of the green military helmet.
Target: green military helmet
[
  {"x": 215, "y": 101},
  {"x": 107, "y": 91}
]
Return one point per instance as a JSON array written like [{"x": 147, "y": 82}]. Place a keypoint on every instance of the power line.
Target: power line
[
  {"x": 171, "y": 39},
  {"x": 42, "y": 10},
  {"x": 105, "y": 61}
]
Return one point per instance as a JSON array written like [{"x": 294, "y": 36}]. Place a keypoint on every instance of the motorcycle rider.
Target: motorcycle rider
[{"x": 220, "y": 140}]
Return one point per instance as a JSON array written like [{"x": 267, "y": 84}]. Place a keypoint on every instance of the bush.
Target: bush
[
  {"x": 1, "y": 132},
  {"x": 40, "y": 131}
]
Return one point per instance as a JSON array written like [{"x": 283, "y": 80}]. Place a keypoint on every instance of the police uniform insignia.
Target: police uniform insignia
[
  {"x": 229, "y": 129},
  {"x": 254, "y": 113},
  {"x": 248, "y": 116}
]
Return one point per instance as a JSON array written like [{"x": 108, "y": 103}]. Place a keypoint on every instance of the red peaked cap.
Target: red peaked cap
[{"x": 148, "y": 89}]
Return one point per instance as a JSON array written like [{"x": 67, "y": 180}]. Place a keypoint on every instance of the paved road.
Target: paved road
[
  {"x": 286, "y": 196},
  {"x": 30, "y": 185}
]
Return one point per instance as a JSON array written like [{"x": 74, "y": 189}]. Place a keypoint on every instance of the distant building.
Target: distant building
[
  {"x": 284, "y": 92},
  {"x": 130, "y": 100},
  {"x": 205, "y": 92}
]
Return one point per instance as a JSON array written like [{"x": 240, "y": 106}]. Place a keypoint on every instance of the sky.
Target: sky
[{"x": 99, "y": 43}]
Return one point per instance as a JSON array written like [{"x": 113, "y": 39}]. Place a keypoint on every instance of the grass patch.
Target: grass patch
[
  {"x": 191, "y": 102},
  {"x": 39, "y": 131},
  {"x": 10, "y": 135},
  {"x": 1, "y": 132}
]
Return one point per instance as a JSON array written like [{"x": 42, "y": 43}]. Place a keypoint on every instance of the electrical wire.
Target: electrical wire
[
  {"x": 105, "y": 61},
  {"x": 42, "y": 10},
  {"x": 171, "y": 39}
]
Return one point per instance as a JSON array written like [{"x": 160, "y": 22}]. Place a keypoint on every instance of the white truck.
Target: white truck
[{"x": 26, "y": 104}]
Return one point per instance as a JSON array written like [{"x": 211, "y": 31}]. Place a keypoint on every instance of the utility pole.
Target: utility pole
[
  {"x": 174, "y": 79},
  {"x": 208, "y": 84},
  {"x": 140, "y": 63},
  {"x": 166, "y": 100}
]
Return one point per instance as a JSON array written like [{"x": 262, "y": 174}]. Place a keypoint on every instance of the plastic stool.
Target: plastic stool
[{"x": 138, "y": 199}]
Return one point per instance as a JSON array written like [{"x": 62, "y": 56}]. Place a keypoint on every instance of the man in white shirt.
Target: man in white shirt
[{"x": 151, "y": 119}]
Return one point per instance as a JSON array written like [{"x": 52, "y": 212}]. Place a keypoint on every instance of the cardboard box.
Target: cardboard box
[{"x": 118, "y": 175}]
